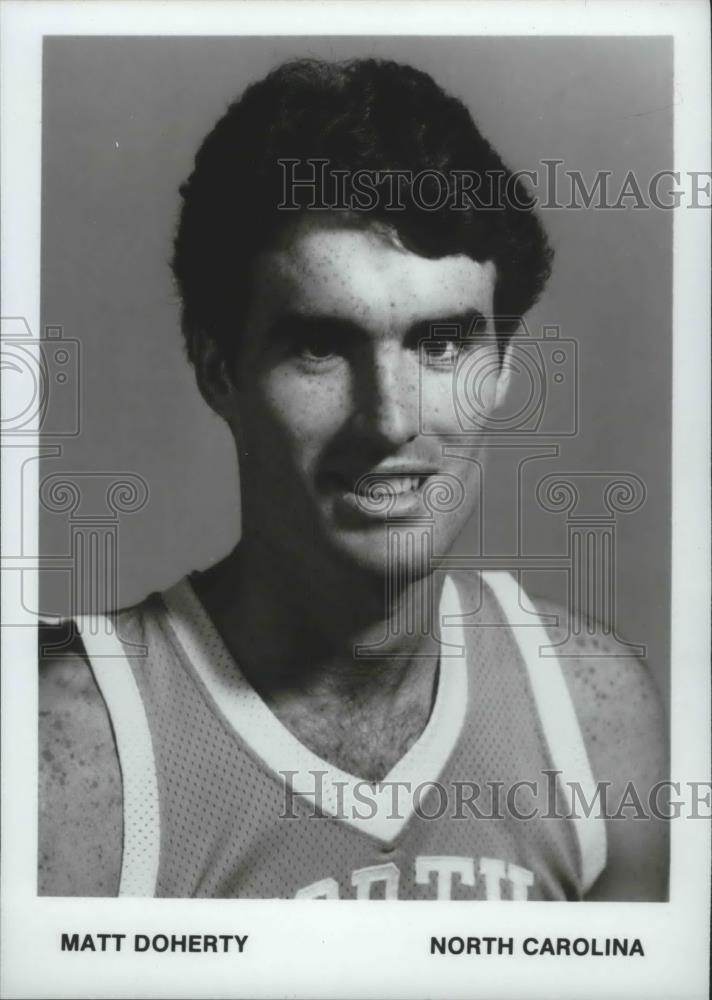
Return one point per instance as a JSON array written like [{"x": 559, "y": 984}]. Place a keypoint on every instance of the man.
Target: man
[{"x": 311, "y": 717}]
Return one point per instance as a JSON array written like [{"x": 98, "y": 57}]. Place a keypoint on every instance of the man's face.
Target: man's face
[{"x": 344, "y": 398}]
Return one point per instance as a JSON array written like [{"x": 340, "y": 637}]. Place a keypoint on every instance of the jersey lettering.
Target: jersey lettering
[
  {"x": 493, "y": 872},
  {"x": 325, "y": 888},
  {"x": 520, "y": 879},
  {"x": 445, "y": 869},
  {"x": 364, "y": 878},
  {"x": 449, "y": 871}
]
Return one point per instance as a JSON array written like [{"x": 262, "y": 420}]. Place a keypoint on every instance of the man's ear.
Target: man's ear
[
  {"x": 215, "y": 380},
  {"x": 504, "y": 377}
]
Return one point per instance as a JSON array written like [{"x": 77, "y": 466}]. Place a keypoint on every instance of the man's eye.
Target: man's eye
[
  {"x": 322, "y": 351},
  {"x": 442, "y": 353},
  {"x": 317, "y": 348}
]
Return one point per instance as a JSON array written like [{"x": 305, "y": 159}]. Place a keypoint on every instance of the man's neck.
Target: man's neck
[
  {"x": 338, "y": 634},
  {"x": 328, "y": 659}
]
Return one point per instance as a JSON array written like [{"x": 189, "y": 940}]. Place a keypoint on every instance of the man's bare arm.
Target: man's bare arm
[
  {"x": 80, "y": 799},
  {"x": 625, "y": 732}
]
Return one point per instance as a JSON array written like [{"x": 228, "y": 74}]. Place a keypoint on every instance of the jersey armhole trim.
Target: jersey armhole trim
[
  {"x": 559, "y": 722},
  {"x": 134, "y": 746}
]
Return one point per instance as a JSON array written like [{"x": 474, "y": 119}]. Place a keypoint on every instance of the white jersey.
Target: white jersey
[{"x": 221, "y": 800}]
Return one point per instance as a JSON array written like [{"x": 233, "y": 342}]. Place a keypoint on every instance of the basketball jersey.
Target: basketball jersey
[{"x": 221, "y": 800}]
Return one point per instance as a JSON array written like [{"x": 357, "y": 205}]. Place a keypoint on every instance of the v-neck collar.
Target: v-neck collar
[{"x": 340, "y": 794}]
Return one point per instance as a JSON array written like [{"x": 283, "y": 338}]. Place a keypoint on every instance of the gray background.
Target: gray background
[{"x": 122, "y": 120}]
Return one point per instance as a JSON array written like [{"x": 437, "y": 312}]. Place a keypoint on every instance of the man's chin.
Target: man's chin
[{"x": 402, "y": 553}]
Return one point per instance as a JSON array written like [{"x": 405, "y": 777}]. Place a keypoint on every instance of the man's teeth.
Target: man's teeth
[
  {"x": 392, "y": 486},
  {"x": 404, "y": 484}
]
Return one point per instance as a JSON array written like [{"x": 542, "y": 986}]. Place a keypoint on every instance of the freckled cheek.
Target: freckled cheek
[
  {"x": 437, "y": 404},
  {"x": 308, "y": 409}
]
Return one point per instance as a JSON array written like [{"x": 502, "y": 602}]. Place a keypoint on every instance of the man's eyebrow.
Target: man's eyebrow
[
  {"x": 294, "y": 325},
  {"x": 465, "y": 323}
]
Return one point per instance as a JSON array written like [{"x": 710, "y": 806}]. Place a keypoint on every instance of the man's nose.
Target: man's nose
[{"x": 388, "y": 396}]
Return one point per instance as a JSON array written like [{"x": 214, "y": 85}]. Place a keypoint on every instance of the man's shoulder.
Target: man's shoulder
[
  {"x": 615, "y": 695},
  {"x": 604, "y": 685},
  {"x": 79, "y": 779},
  {"x": 624, "y": 729},
  {"x": 65, "y": 676}
]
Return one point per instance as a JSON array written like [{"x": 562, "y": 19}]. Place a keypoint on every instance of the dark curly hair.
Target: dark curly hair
[{"x": 367, "y": 114}]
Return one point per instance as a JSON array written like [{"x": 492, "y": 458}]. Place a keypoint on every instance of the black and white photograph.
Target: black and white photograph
[{"x": 355, "y": 514}]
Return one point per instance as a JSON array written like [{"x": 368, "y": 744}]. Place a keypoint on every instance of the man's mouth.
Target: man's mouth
[
  {"x": 381, "y": 494},
  {"x": 375, "y": 487}
]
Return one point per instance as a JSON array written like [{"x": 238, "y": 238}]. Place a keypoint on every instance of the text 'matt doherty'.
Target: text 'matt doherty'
[{"x": 212, "y": 943}]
